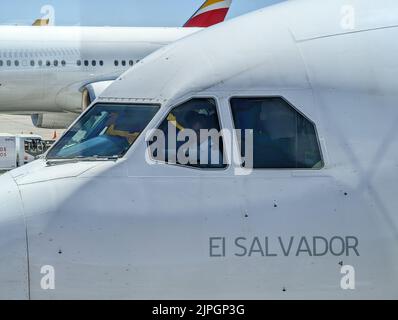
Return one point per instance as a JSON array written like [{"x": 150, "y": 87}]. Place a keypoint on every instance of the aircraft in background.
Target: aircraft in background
[
  {"x": 312, "y": 216},
  {"x": 53, "y": 73}
]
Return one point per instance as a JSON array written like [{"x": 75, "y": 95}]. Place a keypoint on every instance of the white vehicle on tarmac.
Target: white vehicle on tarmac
[
  {"x": 8, "y": 154},
  {"x": 18, "y": 150}
]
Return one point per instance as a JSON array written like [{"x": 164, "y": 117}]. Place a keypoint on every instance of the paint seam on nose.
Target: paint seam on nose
[{"x": 26, "y": 238}]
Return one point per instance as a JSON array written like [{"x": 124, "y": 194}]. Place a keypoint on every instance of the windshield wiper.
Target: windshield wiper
[
  {"x": 97, "y": 158},
  {"x": 81, "y": 159}
]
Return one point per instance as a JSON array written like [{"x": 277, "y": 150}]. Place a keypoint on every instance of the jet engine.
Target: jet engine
[
  {"x": 92, "y": 91},
  {"x": 53, "y": 120}
]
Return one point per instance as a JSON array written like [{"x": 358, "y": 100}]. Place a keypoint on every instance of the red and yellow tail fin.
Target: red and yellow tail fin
[
  {"x": 41, "y": 23},
  {"x": 210, "y": 13}
]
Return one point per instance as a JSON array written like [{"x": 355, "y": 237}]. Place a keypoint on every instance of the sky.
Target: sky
[{"x": 137, "y": 13}]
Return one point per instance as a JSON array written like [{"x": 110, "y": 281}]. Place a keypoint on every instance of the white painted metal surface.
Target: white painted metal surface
[
  {"x": 13, "y": 245},
  {"x": 129, "y": 229}
]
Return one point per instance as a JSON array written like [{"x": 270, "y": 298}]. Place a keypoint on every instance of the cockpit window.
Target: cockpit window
[
  {"x": 283, "y": 138},
  {"x": 190, "y": 136},
  {"x": 105, "y": 131}
]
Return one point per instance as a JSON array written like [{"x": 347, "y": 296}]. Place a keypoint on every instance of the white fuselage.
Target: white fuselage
[
  {"x": 39, "y": 66},
  {"x": 139, "y": 228}
]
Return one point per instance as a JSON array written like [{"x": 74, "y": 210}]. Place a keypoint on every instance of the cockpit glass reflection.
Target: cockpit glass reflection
[{"x": 105, "y": 131}]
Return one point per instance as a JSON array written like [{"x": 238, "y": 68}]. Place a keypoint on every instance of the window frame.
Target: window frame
[
  {"x": 295, "y": 109},
  {"x": 162, "y": 119}
]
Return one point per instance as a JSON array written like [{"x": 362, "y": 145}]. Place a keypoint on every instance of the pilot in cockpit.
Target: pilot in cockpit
[{"x": 207, "y": 150}]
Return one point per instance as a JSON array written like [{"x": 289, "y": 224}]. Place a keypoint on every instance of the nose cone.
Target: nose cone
[{"x": 13, "y": 244}]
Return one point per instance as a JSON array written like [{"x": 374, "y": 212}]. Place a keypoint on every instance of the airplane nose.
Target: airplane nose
[{"x": 13, "y": 242}]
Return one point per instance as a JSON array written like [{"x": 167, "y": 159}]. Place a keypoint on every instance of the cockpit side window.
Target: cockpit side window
[
  {"x": 283, "y": 138},
  {"x": 190, "y": 136}
]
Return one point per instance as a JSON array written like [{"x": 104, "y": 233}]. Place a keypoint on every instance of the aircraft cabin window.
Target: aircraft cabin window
[
  {"x": 16, "y": 63},
  {"x": 48, "y": 63},
  {"x": 79, "y": 62},
  {"x": 1, "y": 63},
  {"x": 32, "y": 63},
  {"x": 40, "y": 63},
  {"x": 63, "y": 62},
  {"x": 8, "y": 63},
  {"x": 194, "y": 128},
  {"x": 131, "y": 63},
  {"x": 106, "y": 131},
  {"x": 101, "y": 63},
  {"x": 116, "y": 63},
  {"x": 94, "y": 63},
  {"x": 123, "y": 63},
  {"x": 282, "y": 137},
  {"x": 55, "y": 63},
  {"x": 86, "y": 63}
]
